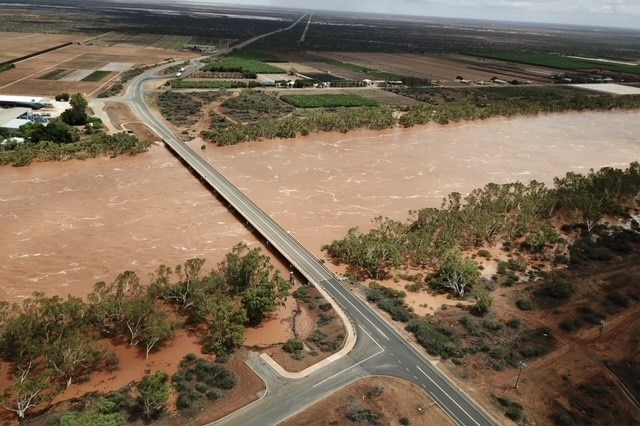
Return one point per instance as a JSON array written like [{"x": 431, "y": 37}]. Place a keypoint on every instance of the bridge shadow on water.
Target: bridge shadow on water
[{"x": 256, "y": 234}]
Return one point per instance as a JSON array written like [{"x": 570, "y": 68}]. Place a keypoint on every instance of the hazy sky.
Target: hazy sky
[{"x": 617, "y": 13}]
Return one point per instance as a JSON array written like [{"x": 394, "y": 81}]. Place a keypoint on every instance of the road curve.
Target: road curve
[{"x": 395, "y": 355}]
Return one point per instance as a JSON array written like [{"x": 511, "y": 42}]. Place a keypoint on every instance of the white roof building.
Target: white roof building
[{"x": 12, "y": 118}]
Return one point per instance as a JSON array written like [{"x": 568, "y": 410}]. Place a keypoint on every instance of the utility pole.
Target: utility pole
[{"x": 522, "y": 365}]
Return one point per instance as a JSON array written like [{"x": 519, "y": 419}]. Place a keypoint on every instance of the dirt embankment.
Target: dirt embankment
[{"x": 375, "y": 400}]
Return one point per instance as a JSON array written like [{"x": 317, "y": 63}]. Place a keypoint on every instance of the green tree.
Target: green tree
[
  {"x": 157, "y": 329},
  {"x": 22, "y": 341},
  {"x": 244, "y": 268},
  {"x": 456, "y": 274},
  {"x": 28, "y": 391},
  {"x": 225, "y": 325},
  {"x": 265, "y": 297},
  {"x": 73, "y": 354},
  {"x": 483, "y": 301},
  {"x": 78, "y": 102},
  {"x": 154, "y": 393}
]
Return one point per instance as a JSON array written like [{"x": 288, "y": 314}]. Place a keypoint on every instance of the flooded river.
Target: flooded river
[{"x": 67, "y": 225}]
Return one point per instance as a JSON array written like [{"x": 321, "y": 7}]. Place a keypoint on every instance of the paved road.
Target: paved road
[{"x": 379, "y": 350}]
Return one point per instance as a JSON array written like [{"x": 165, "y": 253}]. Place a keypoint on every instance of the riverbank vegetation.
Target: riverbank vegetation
[
  {"x": 514, "y": 215},
  {"x": 568, "y": 251},
  {"x": 50, "y": 343},
  {"x": 258, "y": 114},
  {"x": 443, "y": 106}
]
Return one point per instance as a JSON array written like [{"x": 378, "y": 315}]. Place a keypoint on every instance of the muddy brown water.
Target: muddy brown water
[{"x": 65, "y": 226}]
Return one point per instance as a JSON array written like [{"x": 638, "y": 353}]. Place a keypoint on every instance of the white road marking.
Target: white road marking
[
  {"x": 442, "y": 390},
  {"x": 360, "y": 362}
]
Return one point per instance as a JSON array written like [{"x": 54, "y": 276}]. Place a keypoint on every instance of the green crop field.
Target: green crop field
[
  {"x": 561, "y": 62},
  {"x": 248, "y": 67},
  {"x": 56, "y": 74},
  {"x": 328, "y": 101},
  {"x": 96, "y": 76},
  {"x": 174, "y": 42}
]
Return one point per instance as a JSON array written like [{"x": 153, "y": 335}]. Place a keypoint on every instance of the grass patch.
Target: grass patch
[
  {"x": 96, "y": 76},
  {"x": 327, "y": 101},
  {"x": 255, "y": 55}
]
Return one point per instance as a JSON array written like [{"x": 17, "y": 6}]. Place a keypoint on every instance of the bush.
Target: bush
[
  {"x": 591, "y": 316},
  {"x": 484, "y": 253},
  {"x": 293, "y": 345},
  {"x": 618, "y": 299},
  {"x": 559, "y": 288},
  {"x": 437, "y": 340},
  {"x": 492, "y": 325},
  {"x": 197, "y": 380},
  {"x": 570, "y": 325},
  {"x": 360, "y": 415},
  {"x": 514, "y": 323},
  {"x": 524, "y": 304},
  {"x": 514, "y": 412},
  {"x": 470, "y": 325}
]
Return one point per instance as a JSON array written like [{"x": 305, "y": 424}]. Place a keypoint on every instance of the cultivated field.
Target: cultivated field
[
  {"x": 443, "y": 71},
  {"x": 14, "y": 45},
  {"x": 74, "y": 68}
]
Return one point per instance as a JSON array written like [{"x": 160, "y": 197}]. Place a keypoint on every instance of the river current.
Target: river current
[{"x": 65, "y": 226}]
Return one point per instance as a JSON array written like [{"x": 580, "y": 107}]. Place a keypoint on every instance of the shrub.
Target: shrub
[
  {"x": 524, "y": 304},
  {"x": 514, "y": 412},
  {"x": 590, "y": 316},
  {"x": 437, "y": 340},
  {"x": 484, "y": 253},
  {"x": 570, "y": 325},
  {"x": 559, "y": 288},
  {"x": 618, "y": 299},
  {"x": 360, "y": 415},
  {"x": 492, "y": 325},
  {"x": 293, "y": 345},
  {"x": 514, "y": 323}
]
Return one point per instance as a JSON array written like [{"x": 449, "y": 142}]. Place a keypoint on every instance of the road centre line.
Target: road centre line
[
  {"x": 444, "y": 408},
  {"x": 360, "y": 312},
  {"x": 442, "y": 390}
]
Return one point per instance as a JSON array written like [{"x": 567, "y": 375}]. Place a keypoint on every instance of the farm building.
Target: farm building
[
  {"x": 33, "y": 102},
  {"x": 12, "y": 118}
]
